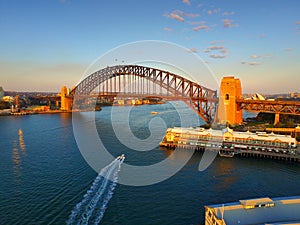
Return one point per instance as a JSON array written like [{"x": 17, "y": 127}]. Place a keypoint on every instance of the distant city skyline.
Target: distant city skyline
[{"x": 48, "y": 44}]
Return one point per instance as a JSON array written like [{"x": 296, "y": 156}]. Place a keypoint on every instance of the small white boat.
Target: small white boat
[
  {"x": 154, "y": 112},
  {"x": 121, "y": 157}
]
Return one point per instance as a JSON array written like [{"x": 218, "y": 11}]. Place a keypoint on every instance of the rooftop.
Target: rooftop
[
  {"x": 243, "y": 135},
  {"x": 260, "y": 211}
]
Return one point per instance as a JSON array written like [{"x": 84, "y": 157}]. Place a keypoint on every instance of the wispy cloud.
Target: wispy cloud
[
  {"x": 227, "y": 23},
  {"x": 254, "y": 63},
  {"x": 186, "y": 2},
  {"x": 174, "y": 16},
  {"x": 211, "y": 11},
  {"x": 197, "y": 22},
  {"x": 288, "y": 49},
  {"x": 217, "y": 51},
  {"x": 217, "y": 56},
  {"x": 189, "y": 15},
  {"x": 179, "y": 15},
  {"x": 298, "y": 22},
  {"x": 254, "y": 56},
  {"x": 193, "y": 50},
  {"x": 261, "y": 35},
  {"x": 228, "y": 13},
  {"x": 215, "y": 47},
  {"x": 216, "y": 42},
  {"x": 202, "y": 27},
  {"x": 168, "y": 29}
]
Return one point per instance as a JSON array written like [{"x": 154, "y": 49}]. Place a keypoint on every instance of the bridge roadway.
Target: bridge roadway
[{"x": 277, "y": 106}]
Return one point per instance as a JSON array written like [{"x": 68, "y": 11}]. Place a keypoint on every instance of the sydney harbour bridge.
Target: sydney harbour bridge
[{"x": 138, "y": 81}]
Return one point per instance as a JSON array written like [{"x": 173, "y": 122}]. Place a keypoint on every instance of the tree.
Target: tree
[{"x": 4, "y": 105}]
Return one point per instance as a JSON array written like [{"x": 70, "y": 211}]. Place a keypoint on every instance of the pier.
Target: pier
[{"x": 230, "y": 143}]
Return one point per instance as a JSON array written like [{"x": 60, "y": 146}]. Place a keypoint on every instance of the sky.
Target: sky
[{"x": 47, "y": 44}]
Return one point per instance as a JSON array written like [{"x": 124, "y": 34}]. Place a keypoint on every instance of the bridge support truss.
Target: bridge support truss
[
  {"x": 277, "y": 107},
  {"x": 140, "y": 80}
]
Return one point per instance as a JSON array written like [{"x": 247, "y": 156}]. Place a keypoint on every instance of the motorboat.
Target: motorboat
[{"x": 121, "y": 157}]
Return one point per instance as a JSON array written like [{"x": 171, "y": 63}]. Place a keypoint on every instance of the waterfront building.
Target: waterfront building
[
  {"x": 229, "y": 140},
  {"x": 255, "y": 211}
]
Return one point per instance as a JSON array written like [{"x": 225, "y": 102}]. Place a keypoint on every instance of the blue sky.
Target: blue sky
[{"x": 47, "y": 44}]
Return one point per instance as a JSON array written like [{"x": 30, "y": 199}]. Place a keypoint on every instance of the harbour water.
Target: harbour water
[{"x": 43, "y": 175}]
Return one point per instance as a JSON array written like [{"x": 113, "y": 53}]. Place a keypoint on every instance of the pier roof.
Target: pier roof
[
  {"x": 235, "y": 134},
  {"x": 281, "y": 211}
]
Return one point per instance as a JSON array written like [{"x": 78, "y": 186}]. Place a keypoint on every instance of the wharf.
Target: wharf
[
  {"x": 240, "y": 153},
  {"x": 230, "y": 143}
]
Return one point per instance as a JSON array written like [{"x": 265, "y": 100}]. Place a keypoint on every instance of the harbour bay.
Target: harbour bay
[{"x": 43, "y": 175}]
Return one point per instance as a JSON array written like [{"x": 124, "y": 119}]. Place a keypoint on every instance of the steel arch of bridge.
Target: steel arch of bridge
[{"x": 201, "y": 99}]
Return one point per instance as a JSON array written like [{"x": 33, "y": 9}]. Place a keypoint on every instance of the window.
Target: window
[{"x": 227, "y": 97}]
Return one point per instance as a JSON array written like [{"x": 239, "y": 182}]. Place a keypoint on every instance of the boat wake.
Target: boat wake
[{"x": 94, "y": 203}]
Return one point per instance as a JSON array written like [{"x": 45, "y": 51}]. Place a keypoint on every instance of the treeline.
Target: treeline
[{"x": 285, "y": 120}]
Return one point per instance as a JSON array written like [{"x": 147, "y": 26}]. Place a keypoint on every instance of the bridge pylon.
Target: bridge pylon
[
  {"x": 229, "y": 111},
  {"x": 66, "y": 101}
]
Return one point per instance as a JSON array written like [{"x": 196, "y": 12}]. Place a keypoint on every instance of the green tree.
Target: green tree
[{"x": 4, "y": 105}]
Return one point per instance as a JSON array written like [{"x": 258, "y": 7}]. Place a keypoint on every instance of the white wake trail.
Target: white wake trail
[{"x": 94, "y": 203}]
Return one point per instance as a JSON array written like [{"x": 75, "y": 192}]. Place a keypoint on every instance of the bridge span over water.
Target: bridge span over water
[{"x": 140, "y": 81}]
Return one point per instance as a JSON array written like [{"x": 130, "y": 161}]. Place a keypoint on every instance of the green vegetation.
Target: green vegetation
[{"x": 4, "y": 105}]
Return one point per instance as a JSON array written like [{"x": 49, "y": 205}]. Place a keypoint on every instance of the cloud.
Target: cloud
[
  {"x": 288, "y": 49},
  {"x": 197, "y": 22},
  {"x": 202, "y": 27},
  {"x": 175, "y": 16},
  {"x": 216, "y": 47},
  {"x": 168, "y": 29},
  {"x": 254, "y": 63},
  {"x": 255, "y": 56},
  {"x": 186, "y": 2},
  {"x": 228, "y": 23},
  {"x": 227, "y": 13},
  {"x": 224, "y": 50},
  {"x": 221, "y": 51},
  {"x": 217, "y": 56},
  {"x": 193, "y": 50},
  {"x": 178, "y": 15},
  {"x": 298, "y": 22},
  {"x": 216, "y": 42},
  {"x": 261, "y": 35},
  {"x": 209, "y": 12},
  {"x": 189, "y": 15}
]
